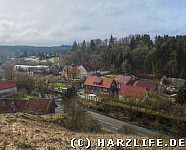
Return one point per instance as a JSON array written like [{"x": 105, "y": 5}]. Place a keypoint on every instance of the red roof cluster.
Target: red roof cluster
[
  {"x": 98, "y": 81},
  {"x": 7, "y": 84},
  {"x": 132, "y": 91},
  {"x": 122, "y": 79}
]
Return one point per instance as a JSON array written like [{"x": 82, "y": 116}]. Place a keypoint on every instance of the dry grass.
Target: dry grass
[{"x": 29, "y": 132}]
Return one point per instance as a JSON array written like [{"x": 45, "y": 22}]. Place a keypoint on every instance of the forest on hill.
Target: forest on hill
[
  {"x": 15, "y": 51},
  {"x": 134, "y": 54}
]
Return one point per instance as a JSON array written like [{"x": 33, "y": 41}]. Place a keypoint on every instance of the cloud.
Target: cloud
[{"x": 56, "y": 22}]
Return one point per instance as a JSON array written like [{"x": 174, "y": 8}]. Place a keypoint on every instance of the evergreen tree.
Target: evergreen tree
[
  {"x": 92, "y": 45},
  {"x": 181, "y": 97},
  {"x": 111, "y": 41},
  {"x": 25, "y": 53},
  {"x": 84, "y": 45},
  {"x": 75, "y": 46}
]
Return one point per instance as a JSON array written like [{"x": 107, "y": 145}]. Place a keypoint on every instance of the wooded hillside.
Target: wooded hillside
[{"x": 135, "y": 54}]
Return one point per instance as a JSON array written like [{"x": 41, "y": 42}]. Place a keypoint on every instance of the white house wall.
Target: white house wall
[{"x": 8, "y": 91}]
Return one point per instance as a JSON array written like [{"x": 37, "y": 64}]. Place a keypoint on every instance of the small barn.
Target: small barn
[{"x": 31, "y": 106}]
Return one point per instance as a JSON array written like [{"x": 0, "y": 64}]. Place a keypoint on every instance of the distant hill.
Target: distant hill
[
  {"x": 30, "y": 49},
  {"x": 6, "y": 52}
]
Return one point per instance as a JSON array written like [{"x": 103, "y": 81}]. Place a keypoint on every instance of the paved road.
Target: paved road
[
  {"x": 59, "y": 108},
  {"x": 115, "y": 125}
]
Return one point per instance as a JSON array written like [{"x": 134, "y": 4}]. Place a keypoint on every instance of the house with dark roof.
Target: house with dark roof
[
  {"x": 7, "y": 88},
  {"x": 137, "y": 92},
  {"x": 176, "y": 82},
  {"x": 171, "y": 85},
  {"x": 100, "y": 84},
  {"x": 148, "y": 84},
  {"x": 32, "y": 106}
]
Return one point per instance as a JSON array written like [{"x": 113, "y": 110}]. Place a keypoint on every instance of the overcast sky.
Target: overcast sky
[{"x": 57, "y": 22}]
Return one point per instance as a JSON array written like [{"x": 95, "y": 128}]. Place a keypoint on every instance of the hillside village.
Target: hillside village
[
  {"x": 102, "y": 82},
  {"x": 92, "y": 75},
  {"x": 33, "y": 86},
  {"x": 96, "y": 94}
]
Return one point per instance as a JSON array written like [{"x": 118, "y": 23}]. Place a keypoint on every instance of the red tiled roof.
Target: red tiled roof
[
  {"x": 132, "y": 91},
  {"x": 105, "y": 82},
  {"x": 98, "y": 80},
  {"x": 150, "y": 85},
  {"x": 11, "y": 105},
  {"x": 7, "y": 84},
  {"x": 39, "y": 106},
  {"x": 122, "y": 79}
]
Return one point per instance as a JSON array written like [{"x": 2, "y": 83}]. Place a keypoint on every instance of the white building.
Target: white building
[
  {"x": 73, "y": 71},
  {"x": 28, "y": 68}
]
